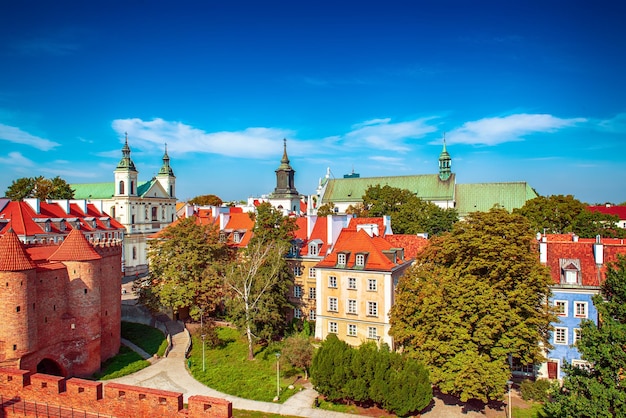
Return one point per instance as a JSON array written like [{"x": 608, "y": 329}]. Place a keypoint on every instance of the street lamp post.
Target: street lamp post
[
  {"x": 277, "y": 376},
  {"x": 203, "y": 336}
]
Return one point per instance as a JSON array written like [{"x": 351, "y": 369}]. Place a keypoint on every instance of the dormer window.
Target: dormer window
[
  {"x": 570, "y": 271},
  {"x": 47, "y": 227},
  {"x": 62, "y": 225},
  {"x": 237, "y": 237},
  {"x": 314, "y": 247},
  {"x": 222, "y": 236},
  {"x": 360, "y": 260},
  {"x": 341, "y": 259},
  {"x": 293, "y": 251}
]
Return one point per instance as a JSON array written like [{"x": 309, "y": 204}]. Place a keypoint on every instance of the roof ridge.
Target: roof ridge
[
  {"x": 14, "y": 257},
  {"x": 75, "y": 247}
]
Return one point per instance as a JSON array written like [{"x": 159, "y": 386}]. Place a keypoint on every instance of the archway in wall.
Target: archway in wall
[{"x": 49, "y": 366}]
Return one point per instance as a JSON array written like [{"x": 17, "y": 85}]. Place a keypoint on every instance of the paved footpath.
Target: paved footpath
[{"x": 170, "y": 373}]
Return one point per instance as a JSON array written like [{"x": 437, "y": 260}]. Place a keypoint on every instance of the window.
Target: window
[
  {"x": 351, "y": 282},
  {"x": 560, "y": 335},
  {"x": 332, "y": 327},
  {"x": 580, "y": 309},
  {"x": 571, "y": 276},
  {"x": 371, "y": 285},
  {"x": 372, "y": 308},
  {"x": 312, "y": 293},
  {"x": 351, "y": 306},
  {"x": 312, "y": 315},
  {"x": 313, "y": 249},
  {"x": 341, "y": 259},
  {"x": 293, "y": 251},
  {"x": 132, "y": 187},
  {"x": 372, "y": 332},
  {"x": 297, "y": 270},
  {"x": 332, "y": 281},
  {"x": 134, "y": 253},
  {"x": 237, "y": 237},
  {"x": 351, "y": 330},
  {"x": 576, "y": 335},
  {"x": 332, "y": 305},
  {"x": 154, "y": 213},
  {"x": 297, "y": 313},
  {"x": 312, "y": 273},
  {"x": 222, "y": 236},
  {"x": 561, "y": 307},
  {"x": 360, "y": 260},
  {"x": 121, "y": 187},
  {"x": 297, "y": 291}
]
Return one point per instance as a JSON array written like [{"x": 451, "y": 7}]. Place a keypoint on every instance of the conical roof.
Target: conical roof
[
  {"x": 12, "y": 254},
  {"x": 75, "y": 247},
  {"x": 126, "y": 163},
  {"x": 165, "y": 168}
]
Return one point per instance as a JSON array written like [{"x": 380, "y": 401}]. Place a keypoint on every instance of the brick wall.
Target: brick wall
[{"x": 110, "y": 399}]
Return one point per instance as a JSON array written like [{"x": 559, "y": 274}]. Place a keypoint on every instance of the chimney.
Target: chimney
[
  {"x": 543, "y": 252},
  {"x": 598, "y": 251}
]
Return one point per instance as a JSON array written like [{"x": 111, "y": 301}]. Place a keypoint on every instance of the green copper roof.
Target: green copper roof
[
  {"x": 425, "y": 186},
  {"x": 103, "y": 190},
  {"x": 483, "y": 196}
]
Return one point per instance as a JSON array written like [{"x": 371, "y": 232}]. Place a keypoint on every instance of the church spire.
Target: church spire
[
  {"x": 284, "y": 162},
  {"x": 445, "y": 162},
  {"x": 285, "y": 186},
  {"x": 126, "y": 162},
  {"x": 165, "y": 168}
]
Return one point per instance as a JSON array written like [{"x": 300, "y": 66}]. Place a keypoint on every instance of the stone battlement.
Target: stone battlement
[{"x": 110, "y": 399}]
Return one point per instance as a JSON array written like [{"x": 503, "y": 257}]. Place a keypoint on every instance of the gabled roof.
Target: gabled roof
[
  {"x": 620, "y": 211},
  {"x": 379, "y": 222},
  {"x": 93, "y": 190},
  {"x": 240, "y": 223},
  {"x": 12, "y": 254},
  {"x": 426, "y": 186},
  {"x": 359, "y": 242},
  {"x": 481, "y": 197},
  {"x": 320, "y": 232},
  {"x": 75, "y": 247}
]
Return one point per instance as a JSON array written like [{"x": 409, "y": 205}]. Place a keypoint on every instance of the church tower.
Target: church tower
[
  {"x": 126, "y": 174},
  {"x": 285, "y": 195},
  {"x": 445, "y": 163},
  {"x": 166, "y": 177}
]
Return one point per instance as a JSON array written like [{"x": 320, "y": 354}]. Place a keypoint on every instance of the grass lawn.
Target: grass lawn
[
  {"x": 250, "y": 379},
  {"x": 151, "y": 340},
  {"x": 124, "y": 363},
  {"x": 533, "y": 412},
  {"x": 240, "y": 413}
]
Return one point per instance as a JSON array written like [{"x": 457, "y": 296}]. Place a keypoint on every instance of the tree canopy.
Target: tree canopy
[
  {"x": 485, "y": 289},
  {"x": 187, "y": 265},
  {"x": 39, "y": 187},
  {"x": 206, "y": 200},
  {"x": 599, "y": 390},
  {"x": 409, "y": 214},
  {"x": 559, "y": 214}
]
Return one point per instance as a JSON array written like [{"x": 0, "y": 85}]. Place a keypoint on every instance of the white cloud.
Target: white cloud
[
  {"x": 493, "y": 131},
  {"x": 616, "y": 124},
  {"x": 381, "y": 134},
  {"x": 16, "y": 159},
  {"x": 16, "y": 135},
  {"x": 181, "y": 138}
]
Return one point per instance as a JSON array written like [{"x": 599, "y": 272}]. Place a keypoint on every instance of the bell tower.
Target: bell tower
[
  {"x": 445, "y": 163},
  {"x": 126, "y": 174}
]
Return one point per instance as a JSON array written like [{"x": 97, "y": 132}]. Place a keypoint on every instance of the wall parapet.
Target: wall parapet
[{"x": 110, "y": 399}]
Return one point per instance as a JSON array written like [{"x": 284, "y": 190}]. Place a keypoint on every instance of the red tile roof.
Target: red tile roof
[
  {"x": 242, "y": 223},
  {"x": 320, "y": 232},
  {"x": 365, "y": 221},
  {"x": 12, "y": 254},
  {"x": 75, "y": 247},
  {"x": 558, "y": 248},
  {"x": 412, "y": 244},
  {"x": 610, "y": 210}
]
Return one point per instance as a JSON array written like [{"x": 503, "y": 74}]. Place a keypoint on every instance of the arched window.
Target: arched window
[
  {"x": 112, "y": 211},
  {"x": 132, "y": 187},
  {"x": 171, "y": 191},
  {"x": 154, "y": 213},
  {"x": 134, "y": 253},
  {"x": 121, "y": 188}
]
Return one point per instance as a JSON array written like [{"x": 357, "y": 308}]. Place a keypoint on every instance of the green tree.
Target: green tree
[
  {"x": 600, "y": 390},
  {"x": 206, "y": 200},
  {"x": 187, "y": 265},
  {"x": 485, "y": 289},
  {"x": 326, "y": 209},
  {"x": 553, "y": 214},
  {"x": 298, "y": 351},
  {"x": 39, "y": 187},
  {"x": 330, "y": 368},
  {"x": 588, "y": 224},
  {"x": 385, "y": 200}
]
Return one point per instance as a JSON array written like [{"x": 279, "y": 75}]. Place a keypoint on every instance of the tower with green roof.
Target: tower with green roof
[{"x": 445, "y": 163}]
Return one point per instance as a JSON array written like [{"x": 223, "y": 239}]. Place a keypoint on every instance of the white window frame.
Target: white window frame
[
  {"x": 332, "y": 281},
  {"x": 352, "y": 283},
  {"x": 341, "y": 259},
  {"x": 332, "y": 327},
  {"x": 312, "y": 315},
  {"x": 297, "y": 271},
  {"x": 360, "y": 260},
  {"x": 372, "y": 333},
  {"x": 312, "y": 293},
  {"x": 312, "y": 272},
  {"x": 559, "y": 302},
  {"x": 297, "y": 291},
  {"x": 312, "y": 249},
  {"x": 585, "y": 307},
  {"x": 333, "y": 304},
  {"x": 351, "y": 306},
  {"x": 372, "y": 285},
  {"x": 576, "y": 335},
  {"x": 297, "y": 313},
  {"x": 352, "y": 330},
  {"x": 557, "y": 340},
  {"x": 372, "y": 308}
]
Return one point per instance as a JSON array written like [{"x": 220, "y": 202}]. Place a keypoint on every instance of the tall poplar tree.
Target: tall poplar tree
[{"x": 475, "y": 297}]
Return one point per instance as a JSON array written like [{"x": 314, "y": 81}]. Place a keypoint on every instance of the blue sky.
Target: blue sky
[{"x": 524, "y": 90}]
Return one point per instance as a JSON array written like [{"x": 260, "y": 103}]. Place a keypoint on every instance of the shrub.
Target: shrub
[{"x": 536, "y": 391}]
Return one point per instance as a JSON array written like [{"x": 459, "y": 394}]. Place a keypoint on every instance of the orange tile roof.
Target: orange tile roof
[
  {"x": 242, "y": 223},
  {"x": 365, "y": 221},
  {"x": 75, "y": 247},
  {"x": 412, "y": 244},
  {"x": 352, "y": 241},
  {"x": 12, "y": 254},
  {"x": 320, "y": 232}
]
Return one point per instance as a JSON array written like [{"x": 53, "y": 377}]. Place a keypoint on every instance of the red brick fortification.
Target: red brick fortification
[{"x": 26, "y": 394}]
